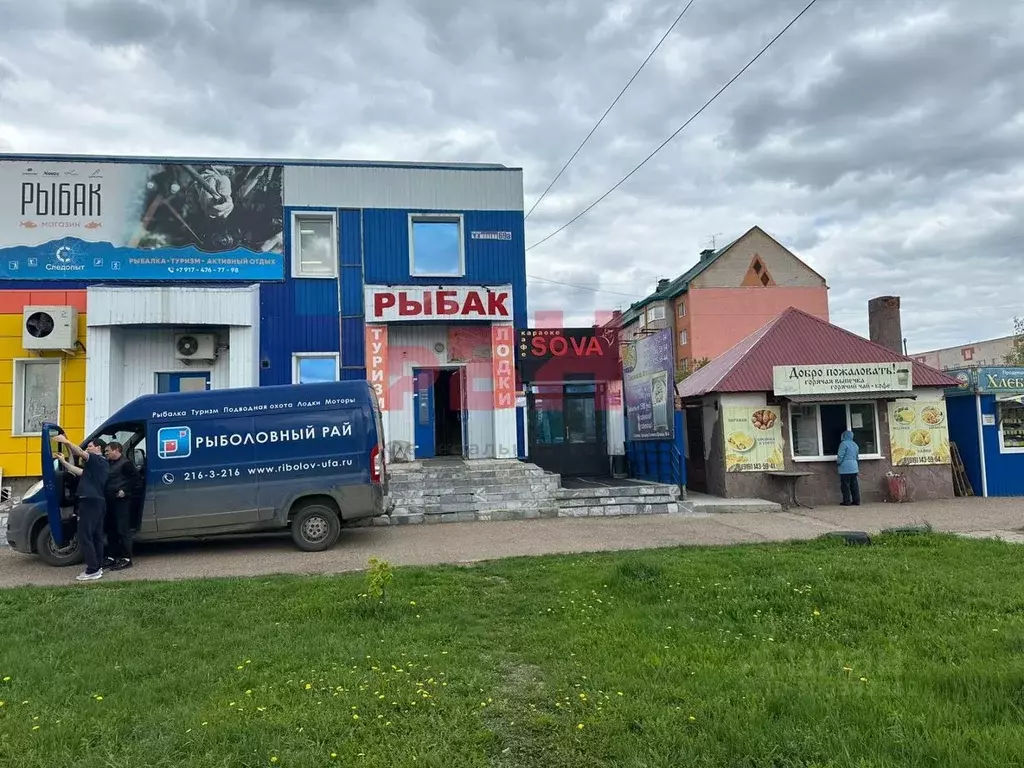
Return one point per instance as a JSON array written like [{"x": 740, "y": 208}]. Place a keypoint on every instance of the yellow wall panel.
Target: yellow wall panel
[
  {"x": 10, "y": 326},
  {"x": 10, "y": 348},
  {"x": 14, "y": 464},
  {"x": 72, "y": 393},
  {"x": 73, "y": 417},
  {"x": 74, "y": 370}
]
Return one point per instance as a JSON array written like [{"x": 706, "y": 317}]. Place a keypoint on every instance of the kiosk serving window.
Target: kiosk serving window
[
  {"x": 1011, "y": 427},
  {"x": 817, "y": 429}
]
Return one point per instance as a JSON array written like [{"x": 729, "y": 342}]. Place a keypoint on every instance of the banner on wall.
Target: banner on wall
[
  {"x": 556, "y": 354},
  {"x": 753, "y": 439},
  {"x": 842, "y": 379},
  {"x": 648, "y": 376},
  {"x": 503, "y": 365},
  {"x": 377, "y": 362},
  {"x": 918, "y": 433},
  {"x": 140, "y": 221}
]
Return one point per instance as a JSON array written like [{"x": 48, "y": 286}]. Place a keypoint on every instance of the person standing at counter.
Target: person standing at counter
[{"x": 849, "y": 470}]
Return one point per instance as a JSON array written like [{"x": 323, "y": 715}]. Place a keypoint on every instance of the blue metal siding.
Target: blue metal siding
[
  {"x": 659, "y": 461},
  {"x": 353, "y": 337},
  {"x": 298, "y": 315},
  {"x": 1005, "y": 471},
  {"x": 963, "y": 430},
  {"x": 488, "y": 262}
]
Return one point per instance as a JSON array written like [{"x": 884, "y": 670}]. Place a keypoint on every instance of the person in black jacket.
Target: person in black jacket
[
  {"x": 92, "y": 478},
  {"x": 122, "y": 484}
]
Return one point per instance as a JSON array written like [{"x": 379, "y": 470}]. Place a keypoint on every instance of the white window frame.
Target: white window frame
[
  {"x": 296, "y": 243},
  {"x": 681, "y": 308},
  {"x": 999, "y": 417},
  {"x": 684, "y": 337},
  {"x": 298, "y": 357},
  {"x": 832, "y": 457},
  {"x": 441, "y": 218},
  {"x": 656, "y": 313},
  {"x": 18, "y": 386}
]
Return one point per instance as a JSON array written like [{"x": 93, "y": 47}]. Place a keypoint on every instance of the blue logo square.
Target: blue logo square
[{"x": 174, "y": 442}]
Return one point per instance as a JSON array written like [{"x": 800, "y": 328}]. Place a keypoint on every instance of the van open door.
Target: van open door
[{"x": 53, "y": 481}]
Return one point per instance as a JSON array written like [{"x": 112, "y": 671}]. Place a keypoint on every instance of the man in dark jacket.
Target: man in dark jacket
[
  {"x": 122, "y": 484},
  {"x": 92, "y": 477}
]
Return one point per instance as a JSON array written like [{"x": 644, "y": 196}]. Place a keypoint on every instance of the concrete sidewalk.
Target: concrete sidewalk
[{"x": 471, "y": 542}]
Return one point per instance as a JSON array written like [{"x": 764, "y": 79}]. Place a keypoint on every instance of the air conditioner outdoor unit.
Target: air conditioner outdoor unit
[
  {"x": 49, "y": 328},
  {"x": 195, "y": 346}
]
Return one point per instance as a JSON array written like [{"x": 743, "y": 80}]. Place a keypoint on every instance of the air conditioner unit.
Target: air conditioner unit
[
  {"x": 49, "y": 328},
  {"x": 195, "y": 346}
]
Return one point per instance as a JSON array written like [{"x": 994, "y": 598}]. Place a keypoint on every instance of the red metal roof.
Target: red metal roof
[{"x": 795, "y": 338}]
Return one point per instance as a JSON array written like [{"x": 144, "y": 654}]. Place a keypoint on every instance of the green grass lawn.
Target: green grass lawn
[{"x": 906, "y": 653}]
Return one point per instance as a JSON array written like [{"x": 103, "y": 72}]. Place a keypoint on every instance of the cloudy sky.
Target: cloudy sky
[{"x": 882, "y": 141}]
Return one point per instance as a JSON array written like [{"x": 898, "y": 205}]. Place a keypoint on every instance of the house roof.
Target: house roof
[
  {"x": 795, "y": 338},
  {"x": 682, "y": 283}
]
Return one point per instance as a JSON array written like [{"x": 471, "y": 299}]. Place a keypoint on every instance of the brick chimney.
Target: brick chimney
[
  {"x": 663, "y": 284},
  {"x": 884, "y": 324}
]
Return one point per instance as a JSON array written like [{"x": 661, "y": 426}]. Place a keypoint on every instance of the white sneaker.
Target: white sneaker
[{"x": 86, "y": 576}]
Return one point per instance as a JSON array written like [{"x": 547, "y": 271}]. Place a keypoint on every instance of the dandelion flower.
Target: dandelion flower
[
  {"x": 693, "y": 719},
  {"x": 817, "y": 612},
  {"x": 579, "y": 727},
  {"x": 99, "y": 698},
  {"x": 355, "y": 717},
  {"x": 273, "y": 758},
  {"x": 412, "y": 602},
  {"x": 249, "y": 692},
  {"x": 7, "y": 678},
  {"x": 863, "y": 679},
  {"x": 620, "y": 693},
  {"x": 308, "y": 686}
]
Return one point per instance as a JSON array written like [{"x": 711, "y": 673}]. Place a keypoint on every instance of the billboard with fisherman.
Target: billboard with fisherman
[{"x": 139, "y": 221}]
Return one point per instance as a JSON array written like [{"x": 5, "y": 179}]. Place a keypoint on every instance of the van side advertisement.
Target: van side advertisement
[
  {"x": 218, "y": 449},
  {"x": 136, "y": 221},
  {"x": 647, "y": 366}
]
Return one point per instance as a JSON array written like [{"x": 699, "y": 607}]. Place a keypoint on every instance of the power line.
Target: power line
[
  {"x": 675, "y": 133},
  {"x": 610, "y": 107},
  {"x": 583, "y": 287}
]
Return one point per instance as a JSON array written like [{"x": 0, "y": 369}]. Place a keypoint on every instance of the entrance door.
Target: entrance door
[
  {"x": 424, "y": 437},
  {"x": 568, "y": 430},
  {"x": 190, "y": 381},
  {"x": 696, "y": 464}
]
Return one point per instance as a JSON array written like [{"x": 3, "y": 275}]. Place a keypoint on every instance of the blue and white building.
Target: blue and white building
[{"x": 203, "y": 273}]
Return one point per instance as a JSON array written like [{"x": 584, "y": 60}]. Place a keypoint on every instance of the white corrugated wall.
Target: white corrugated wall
[{"x": 498, "y": 189}]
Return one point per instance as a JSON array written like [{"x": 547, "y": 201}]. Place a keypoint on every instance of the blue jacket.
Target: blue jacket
[{"x": 848, "y": 453}]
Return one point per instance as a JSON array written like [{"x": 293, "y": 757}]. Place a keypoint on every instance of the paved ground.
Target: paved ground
[{"x": 469, "y": 542}]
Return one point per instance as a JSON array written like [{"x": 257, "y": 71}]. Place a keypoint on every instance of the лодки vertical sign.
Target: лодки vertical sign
[{"x": 502, "y": 354}]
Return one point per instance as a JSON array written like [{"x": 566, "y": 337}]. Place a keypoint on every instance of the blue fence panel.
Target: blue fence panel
[{"x": 660, "y": 461}]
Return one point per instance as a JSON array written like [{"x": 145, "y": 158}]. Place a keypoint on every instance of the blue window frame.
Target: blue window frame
[{"x": 436, "y": 246}]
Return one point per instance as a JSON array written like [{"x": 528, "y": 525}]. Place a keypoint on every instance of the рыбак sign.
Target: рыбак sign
[
  {"x": 414, "y": 302},
  {"x": 842, "y": 379}
]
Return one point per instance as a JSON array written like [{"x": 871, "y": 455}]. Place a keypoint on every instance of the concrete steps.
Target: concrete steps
[
  {"x": 468, "y": 491},
  {"x": 618, "y": 501}
]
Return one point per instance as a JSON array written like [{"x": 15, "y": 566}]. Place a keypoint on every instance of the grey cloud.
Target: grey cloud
[
  {"x": 116, "y": 22},
  {"x": 850, "y": 153}
]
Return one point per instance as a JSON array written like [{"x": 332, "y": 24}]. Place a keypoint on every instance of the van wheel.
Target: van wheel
[
  {"x": 59, "y": 556},
  {"x": 315, "y": 527}
]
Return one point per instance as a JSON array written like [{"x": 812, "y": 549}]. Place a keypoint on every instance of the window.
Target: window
[
  {"x": 312, "y": 368},
  {"x": 36, "y": 395},
  {"x": 656, "y": 313},
  {"x": 315, "y": 244},
  {"x": 684, "y": 365},
  {"x": 1011, "y": 428},
  {"x": 816, "y": 430},
  {"x": 684, "y": 337},
  {"x": 681, "y": 308},
  {"x": 435, "y": 246}
]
